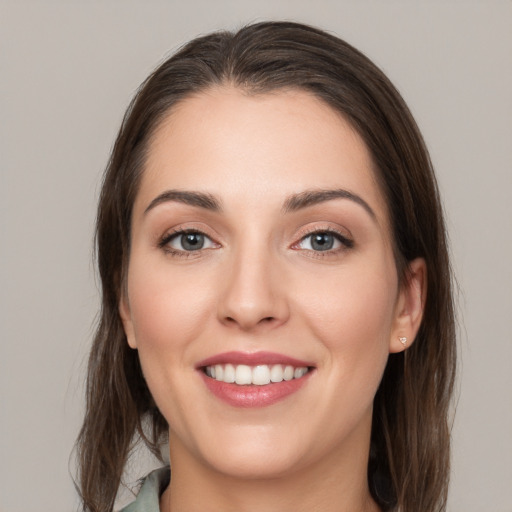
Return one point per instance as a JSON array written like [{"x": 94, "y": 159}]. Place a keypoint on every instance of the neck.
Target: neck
[{"x": 334, "y": 484}]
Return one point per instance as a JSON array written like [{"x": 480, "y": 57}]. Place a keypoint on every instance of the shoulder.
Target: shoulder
[{"x": 149, "y": 495}]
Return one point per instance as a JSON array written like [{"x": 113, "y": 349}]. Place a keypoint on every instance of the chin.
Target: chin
[
  {"x": 245, "y": 453},
  {"x": 261, "y": 466}
]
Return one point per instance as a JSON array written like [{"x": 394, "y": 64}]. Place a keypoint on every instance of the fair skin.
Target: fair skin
[{"x": 263, "y": 270}]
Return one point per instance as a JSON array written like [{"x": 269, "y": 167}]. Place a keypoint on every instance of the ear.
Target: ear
[
  {"x": 410, "y": 306},
  {"x": 126, "y": 318}
]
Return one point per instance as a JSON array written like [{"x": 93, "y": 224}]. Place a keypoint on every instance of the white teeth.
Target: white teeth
[
  {"x": 243, "y": 374},
  {"x": 288, "y": 373},
  {"x": 299, "y": 372},
  {"x": 229, "y": 373},
  {"x": 260, "y": 375},
  {"x": 276, "y": 373},
  {"x": 219, "y": 372}
]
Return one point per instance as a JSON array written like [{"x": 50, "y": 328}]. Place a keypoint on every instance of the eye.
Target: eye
[
  {"x": 187, "y": 241},
  {"x": 322, "y": 241}
]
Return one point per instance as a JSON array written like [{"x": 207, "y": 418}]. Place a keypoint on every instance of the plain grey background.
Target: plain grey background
[{"x": 67, "y": 72}]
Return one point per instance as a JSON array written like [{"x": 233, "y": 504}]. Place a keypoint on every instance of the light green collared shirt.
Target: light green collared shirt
[{"x": 149, "y": 495}]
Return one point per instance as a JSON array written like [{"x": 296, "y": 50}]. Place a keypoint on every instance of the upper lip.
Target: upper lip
[{"x": 252, "y": 359}]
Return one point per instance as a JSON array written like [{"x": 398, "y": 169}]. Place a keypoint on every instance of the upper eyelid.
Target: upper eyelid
[
  {"x": 310, "y": 230},
  {"x": 344, "y": 238},
  {"x": 343, "y": 235},
  {"x": 189, "y": 228},
  {"x": 165, "y": 243},
  {"x": 172, "y": 234}
]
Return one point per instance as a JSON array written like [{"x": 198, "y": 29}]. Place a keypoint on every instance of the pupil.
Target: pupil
[
  {"x": 192, "y": 241},
  {"x": 322, "y": 242}
]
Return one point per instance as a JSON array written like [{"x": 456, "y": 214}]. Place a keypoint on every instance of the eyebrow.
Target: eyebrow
[
  {"x": 293, "y": 203},
  {"x": 314, "y": 197},
  {"x": 200, "y": 199}
]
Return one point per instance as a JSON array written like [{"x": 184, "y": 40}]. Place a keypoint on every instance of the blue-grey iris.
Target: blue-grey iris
[
  {"x": 322, "y": 241},
  {"x": 192, "y": 241}
]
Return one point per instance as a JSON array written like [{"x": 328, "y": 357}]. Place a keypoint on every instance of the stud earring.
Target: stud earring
[{"x": 403, "y": 340}]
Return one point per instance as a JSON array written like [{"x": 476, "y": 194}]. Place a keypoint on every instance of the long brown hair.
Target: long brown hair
[{"x": 409, "y": 457}]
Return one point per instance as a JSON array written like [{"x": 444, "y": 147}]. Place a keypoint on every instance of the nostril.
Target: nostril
[
  {"x": 231, "y": 320},
  {"x": 263, "y": 320}
]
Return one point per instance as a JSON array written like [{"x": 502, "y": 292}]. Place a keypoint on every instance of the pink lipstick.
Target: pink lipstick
[{"x": 254, "y": 379}]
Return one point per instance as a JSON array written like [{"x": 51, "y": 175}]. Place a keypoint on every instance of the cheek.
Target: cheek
[
  {"x": 349, "y": 315},
  {"x": 168, "y": 308},
  {"x": 352, "y": 318}
]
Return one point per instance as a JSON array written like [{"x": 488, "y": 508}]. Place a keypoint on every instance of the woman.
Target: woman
[{"x": 276, "y": 287}]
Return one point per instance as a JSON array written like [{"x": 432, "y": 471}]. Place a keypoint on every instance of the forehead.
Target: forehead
[{"x": 258, "y": 147}]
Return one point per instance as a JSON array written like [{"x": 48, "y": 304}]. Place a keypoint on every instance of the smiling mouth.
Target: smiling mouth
[{"x": 259, "y": 375}]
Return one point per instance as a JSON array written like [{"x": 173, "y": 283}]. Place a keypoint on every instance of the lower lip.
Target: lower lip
[{"x": 251, "y": 395}]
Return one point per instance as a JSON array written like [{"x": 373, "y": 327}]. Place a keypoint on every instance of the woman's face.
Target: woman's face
[{"x": 261, "y": 251}]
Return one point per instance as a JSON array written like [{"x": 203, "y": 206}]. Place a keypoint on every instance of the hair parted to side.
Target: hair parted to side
[{"x": 409, "y": 457}]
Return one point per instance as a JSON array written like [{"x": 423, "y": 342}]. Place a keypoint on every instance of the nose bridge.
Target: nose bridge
[{"x": 252, "y": 294}]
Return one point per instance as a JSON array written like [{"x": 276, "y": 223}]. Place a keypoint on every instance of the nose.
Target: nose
[{"x": 253, "y": 293}]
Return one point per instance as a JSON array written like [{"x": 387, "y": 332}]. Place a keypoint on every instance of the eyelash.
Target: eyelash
[
  {"x": 169, "y": 237},
  {"x": 163, "y": 244},
  {"x": 346, "y": 242}
]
